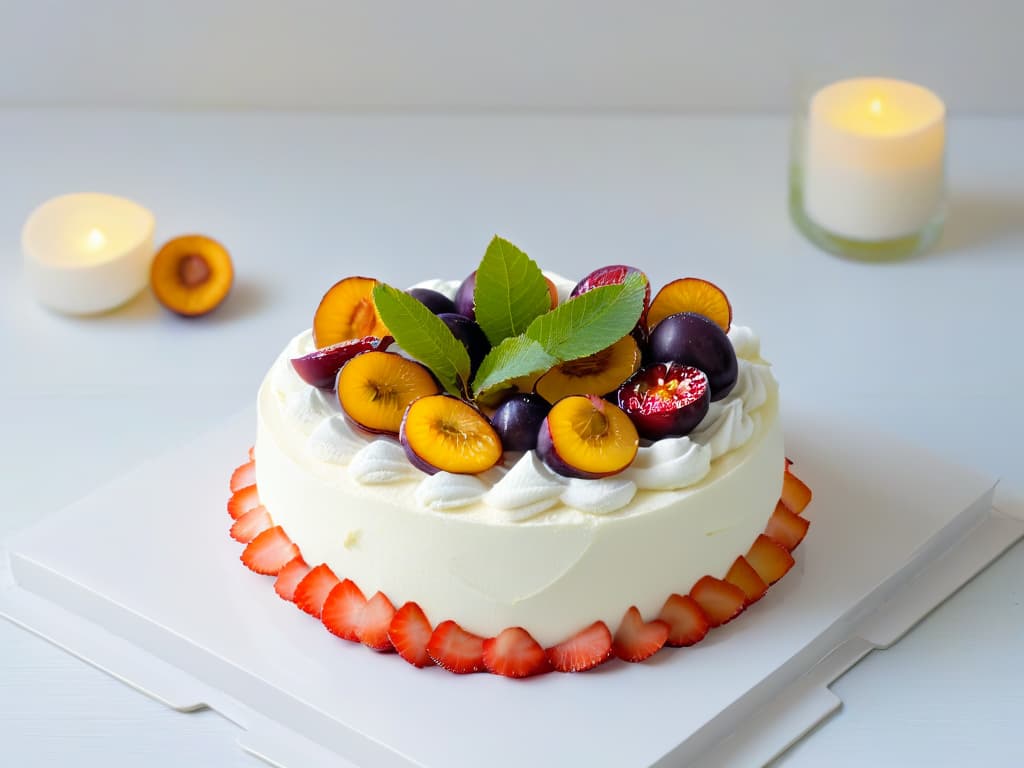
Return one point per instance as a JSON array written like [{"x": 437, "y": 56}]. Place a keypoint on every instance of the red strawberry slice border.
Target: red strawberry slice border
[{"x": 376, "y": 623}]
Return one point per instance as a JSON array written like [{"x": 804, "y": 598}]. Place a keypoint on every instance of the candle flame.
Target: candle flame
[
  {"x": 875, "y": 107},
  {"x": 95, "y": 239}
]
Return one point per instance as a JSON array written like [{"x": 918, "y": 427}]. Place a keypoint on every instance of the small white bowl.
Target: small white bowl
[{"x": 88, "y": 253}]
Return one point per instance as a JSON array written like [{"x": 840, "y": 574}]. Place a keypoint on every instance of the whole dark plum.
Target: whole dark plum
[
  {"x": 464, "y": 301},
  {"x": 517, "y": 421},
  {"x": 435, "y": 301},
  {"x": 692, "y": 339},
  {"x": 470, "y": 334}
]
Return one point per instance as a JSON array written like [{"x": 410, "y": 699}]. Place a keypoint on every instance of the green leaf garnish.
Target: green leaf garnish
[
  {"x": 425, "y": 337},
  {"x": 513, "y": 358},
  {"x": 510, "y": 291},
  {"x": 582, "y": 326},
  {"x": 592, "y": 321}
]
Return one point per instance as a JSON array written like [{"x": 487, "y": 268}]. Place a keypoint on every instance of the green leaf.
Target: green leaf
[
  {"x": 510, "y": 291},
  {"x": 424, "y": 336},
  {"x": 592, "y": 321},
  {"x": 514, "y": 357}
]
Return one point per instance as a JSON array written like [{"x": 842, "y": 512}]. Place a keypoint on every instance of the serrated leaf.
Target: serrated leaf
[
  {"x": 510, "y": 291},
  {"x": 514, "y": 357},
  {"x": 592, "y": 321},
  {"x": 424, "y": 336}
]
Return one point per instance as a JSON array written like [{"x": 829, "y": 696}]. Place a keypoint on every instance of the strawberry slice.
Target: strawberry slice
[
  {"x": 269, "y": 552},
  {"x": 374, "y": 623},
  {"x": 743, "y": 575},
  {"x": 252, "y": 453},
  {"x": 343, "y": 610},
  {"x": 789, "y": 463},
  {"x": 786, "y": 528},
  {"x": 584, "y": 650},
  {"x": 289, "y": 577},
  {"x": 251, "y": 524},
  {"x": 243, "y": 476},
  {"x": 721, "y": 601},
  {"x": 409, "y": 633},
  {"x": 771, "y": 561},
  {"x": 795, "y": 494},
  {"x": 514, "y": 653},
  {"x": 242, "y": 501},
  {"x": 686, "y": 622},
  {"x": 636, "y": 640},
  {"x": 455, "y": 649},
  {"x": 314, "y": 588}
]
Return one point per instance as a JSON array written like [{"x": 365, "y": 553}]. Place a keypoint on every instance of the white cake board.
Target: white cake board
[{"x": 140, "y": 579}]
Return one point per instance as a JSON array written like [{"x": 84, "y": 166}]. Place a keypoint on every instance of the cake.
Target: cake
[{"x": 517, "y": 473}]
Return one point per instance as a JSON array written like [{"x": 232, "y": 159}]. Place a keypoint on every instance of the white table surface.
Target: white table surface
[{"x": 928, "y": 348}]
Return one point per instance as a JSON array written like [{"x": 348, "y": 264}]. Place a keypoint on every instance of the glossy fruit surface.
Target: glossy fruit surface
[
  {"x": 320, "y": 367},
  {"x": 692, "y": 339},
  {"x": 435, "y": 301},
  {"x": 464, "y": 302},
  {"x": 666, "y": 399},
  {"x": 375, "y": 388},
  {"x": 191, "y": 275},
  {"x": 517, "y": 421},
  {"x": 585, "y": 436},
  {"x": 347, "y": 312},
  {"x": 691, "y": 294},
  {"x": 597, "y": 374},
  {"x": 444, "y": 433},
  {"x": 611, "y": 275},
  {"x": 470, "y": 334}
]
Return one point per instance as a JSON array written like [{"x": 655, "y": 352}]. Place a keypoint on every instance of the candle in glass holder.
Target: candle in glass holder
[{"x": 87, "y": 253}]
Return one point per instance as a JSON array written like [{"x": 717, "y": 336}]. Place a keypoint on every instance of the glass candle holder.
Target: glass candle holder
[{"x": 867, "y": 170}]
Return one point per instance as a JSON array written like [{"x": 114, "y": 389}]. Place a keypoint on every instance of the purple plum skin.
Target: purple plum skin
[
  {"x": 517, "y": 421},
  {"x": 320, "y": 367},
  {"x": 470, "y": 334},
  {"x": 655, "y": 426},
  {"x": 414, "y": 458},
  {"x": 464, "y": 302},
  {"x": 436, "y": 302},
  {"x": 691, "y": 339}
]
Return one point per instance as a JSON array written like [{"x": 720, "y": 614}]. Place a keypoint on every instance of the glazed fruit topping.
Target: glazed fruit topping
[
  {"x": 375, "y": 388},
  {"x": 585, "y": 436},
  {"x": 692, "y": 339},
  {"x": 691, "y": 294},
  {"x": 596, "y": 374},
  {"x": 611, "y": 275},
  {"x": 320, "y": 367},
  {"x": 347, "y": 312},
  {"x": 444, "y": 433},
  {"x": 666, "y": 399}
]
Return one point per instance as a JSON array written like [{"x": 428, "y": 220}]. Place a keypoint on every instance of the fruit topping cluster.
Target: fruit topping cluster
[{"x": 503, "y": 366}]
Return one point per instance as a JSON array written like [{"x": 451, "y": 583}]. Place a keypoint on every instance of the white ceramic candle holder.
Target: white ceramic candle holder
[
  {"x": 87, "y": 253},
  {"x": 867, "y": 177}
]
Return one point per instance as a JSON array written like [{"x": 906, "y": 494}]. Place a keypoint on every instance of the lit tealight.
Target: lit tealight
[{"x": 95, "y": 240}]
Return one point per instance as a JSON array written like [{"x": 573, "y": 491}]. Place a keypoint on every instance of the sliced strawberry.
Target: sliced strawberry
[
  {"x": 795, "y": 494},
  {"x": 789, "y": 463},
  {"x": 721, "y": 601},
  {"x": 242, "y": 501},
  {"x": 771, "y": 561},
  {"x": 251, "y": 524},
  {"x": 584, "y": 650},
  {"x": 252, "y": 453},
  {"x": 686, "y": 622},
  {"x": 409, "y": 633},
  {"x": 243, "y": 476},
  {"x": 289, "y": 577},
  {"x": 514, "y": 653},
  {"x": 455, "y": 649},
  {"x": 343, "y": 610},
  {"x": 314, "y": 588},
  {"x": 269, "y": 552},
  {"x": 375, "y": 621},
  {"x": 745, "y": 577},
  {"x": 786, "y": 528},
  {"x": 636, "y": 640}
]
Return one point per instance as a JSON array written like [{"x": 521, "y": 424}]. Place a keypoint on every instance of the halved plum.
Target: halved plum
[
  {"x": 597, "y": 374},
  {"x": 347, "y": 312},
  {"x": 666, "y": 399},
  {"x": 691, "y": 294},
  {"x": 444, "y": 433},
  {"x": 320, "y": 367},
  {"x": 613, "y": 274},
  {"x": 375, "y": 388},
  {"x": 586, "y": 436},
  {"x": 693, "y": 339}
]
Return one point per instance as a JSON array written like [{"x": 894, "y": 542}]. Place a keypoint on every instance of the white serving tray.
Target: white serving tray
[{"x": 141, "y": 579}]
